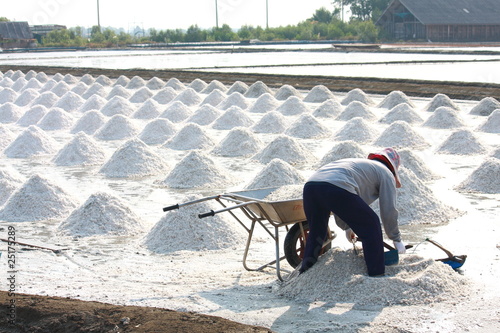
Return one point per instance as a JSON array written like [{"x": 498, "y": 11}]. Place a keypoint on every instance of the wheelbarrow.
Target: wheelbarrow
[{"x": 271, "y": 216}]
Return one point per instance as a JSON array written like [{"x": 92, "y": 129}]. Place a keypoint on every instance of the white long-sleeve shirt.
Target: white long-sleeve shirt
[{"x": 369, "y": 179}]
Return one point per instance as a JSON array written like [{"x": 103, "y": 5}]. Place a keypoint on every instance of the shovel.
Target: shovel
[
  {"x": 454, "y": 261},
  {"x": 391, "y": 257}
]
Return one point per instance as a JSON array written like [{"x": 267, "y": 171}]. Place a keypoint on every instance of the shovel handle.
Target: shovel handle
[
  {"x": 166, "y": 209},
  {"x": 450, "y": 255}
]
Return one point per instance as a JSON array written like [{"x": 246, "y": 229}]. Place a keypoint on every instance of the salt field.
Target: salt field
[{"x": 88, "y": 163}]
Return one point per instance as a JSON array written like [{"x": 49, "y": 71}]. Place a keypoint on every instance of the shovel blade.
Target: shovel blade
[{"x": 391, "y": 257}]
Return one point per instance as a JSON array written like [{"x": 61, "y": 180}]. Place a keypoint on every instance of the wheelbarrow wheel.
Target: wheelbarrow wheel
[{"x": 295, "y": 245}]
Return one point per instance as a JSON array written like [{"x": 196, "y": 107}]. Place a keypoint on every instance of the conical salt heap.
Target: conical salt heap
[
  {"x": 37, "y": 199},
  {"x": 189, "y": 97},
  {"x": 400, "y": 135},
  {"x": 403, "y": 112},
  {"x": 198, "y": 85},
  {"x": 485, "y": 107},
  {"x": 191, "y": 136},
  {"x": 6, "y": 137},
  {"x": 32, "y": 116},
  {"x": 214, "y": 85},
  {"x": 165, "y": 96},
  {"x": 395, "y": 98},
  {"x": 256, "y": 89},
  {"x": 462, "y": 142},
  {"x": 81, "y": 150},
  {"x": 48, "y": 86},
  {"x": 89, "y": 123},
  {"x": 118, "y": 106},
  {"x": 265, "y": 103},
  {"x": 238, "y": 86},
  {"x": 357, "y": 109},
  {"x": 308, "y": 127},
  {"x": 56, "y": 119},
  {"x": 31, "y": 142},
  {"x": 357, "y": 95},
  {"x": 198, "y": 170},
  {"x": 6, "y": 83},
  {"x": 141, "y": 95},
  {"x": 320, "y": 94},
  {"x": 292, "y": 106},
  {"x": 444, "y": 117},
  {"x": 94, "y": 102},
  {"x": 276, "y": 173},
  {"x": 10, "y": 181},
  {"x": 417, "y": 165},
  {"x": 357, "y": 129},
  {"x": 286, "y": 91},
  {"x": 286, "y": 148},
  {"x": 118, "y": 91},
  {"x": 70, "y": 79},
  {"x": 328, "y": 109},
  {"x": 7, "y": 95},
  {"x": 205, "y": 115},
  {"x": 61, "y": 88},
  {"x": 58, "y": 77},
  {"x": 26, "y": 97},
  {"x": 484, "y": 179},
  {"x": 175, "y": 84},
  {"x": 240, "y": 141},
  {"x": 42, "y": 77},
  {"x": 155, "y": 83},
  {"x": 182, "y": 230},
  {"x": 80, "y": 88},
  {"x": 157, "y": 131},
  {"x": 440, "y": 100},
  {"x": 102, "y": 214},
  {"x": 95, "y": 90},
  {"x": 231, "y": 118},
  {"x": 10, "y": 113},
  {"x": 135, "y": 83},
  {"x": 117, "y": 127},
  {"x": 235, "y": 99},
  {"x": 341, "y": 150},
  {"x": 272, "y": 122},
  {"x": 69, "y": 102},
  {"x": 214, "y": 98},
  {"x": 491, "y": 124},
  {"x": 104, "y": 80},
  {"x": 19, "y": 84},
  {"x": 495, "y": 153},
  {"x": 134, "y": 159},
  {"x": 47, "y": 99},
  {"x": 87, "y": 79},
  {"x": 176, "y": 112},
  {"x": 32, "y": 84},
  {"x": 148, "y": 110}
]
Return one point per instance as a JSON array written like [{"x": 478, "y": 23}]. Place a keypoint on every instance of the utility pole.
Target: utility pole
[
  {"x": 98, "y": 18},
  {"x": 216, "y": 15},
  {"x": 267, "y": 14}
]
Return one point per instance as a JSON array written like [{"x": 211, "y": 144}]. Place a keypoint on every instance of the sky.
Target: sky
[{"x": 166, "y": 14}]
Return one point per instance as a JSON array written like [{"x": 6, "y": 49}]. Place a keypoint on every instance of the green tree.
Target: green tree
[
  {"x": 322, "y": 15},
  {"x": 364, "y": 9},
  {"x": 224, "y": 34},
  {"x": 4, "y": 19},
  {"x": 195, "y": 34}
]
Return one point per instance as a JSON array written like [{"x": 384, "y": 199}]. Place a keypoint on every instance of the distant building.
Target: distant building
[
  {"x": 442, "y": 20},
  {"x": 16, "y": 35},
  {"x": 40, "y": 31}
]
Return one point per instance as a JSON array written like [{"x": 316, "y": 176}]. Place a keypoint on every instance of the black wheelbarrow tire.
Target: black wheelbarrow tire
[{"x": 294, "y": 244}]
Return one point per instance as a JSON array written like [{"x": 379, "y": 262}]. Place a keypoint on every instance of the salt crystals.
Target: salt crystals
[
  {"x": 32, "y": 116},
  {"x": 232, "y": 117},
  {"x": 118, "y": 105},
  {"x": 135, "y": 83},
  {"x": 56, "y": 119},
  {"x": 176, "y": 112},
  {"x": 400, "y": 135},
  {"x": 492, "y": 123},
  {"x": 31, "y": 142},
  {"x": 403, "y": 112},
  {"x": 118, "y": 91},
  {"x": 341, "y": 150},
  {"x": 175, "y": 84},
  {"x": 81, "y": 150},
  {"x": 308, "y": 127},
  {"x": 165, "y": 95},
  {"x": 276, "y": 173},
  {"x": 6, "y": 136},
  {"x": 188, "y": 97},
  {"x": 7, "y": 95},
  {"x": 238, "y": 86},
  {"x": 357, "y": 95},
  {"x": 444, "y": 117},
  {"x": 60, "y": 88},
  {"x": 157, "y": 131},
  {"x": 286, "y": 91},
  {"x": 271, "y": 122},
  {"x": 292, "y": 106},
  {"x": 240, "y": 141},
  {"x": 214, "y": 85},
  {"x": 94, "y": 102},
  {"x": 205, "y": 115},
  {"x": 328, "y": 109},
  {"x": 265, "y": 103},
  {"x": 141, "y": 95},
  {"x": 235, "y": 99},
  {"x": 47, "y": 99},
  {"x": 198, "y": 85},
  {"x": 155, "y": 83},
  {"x": 191, "y": 136},
  {"x": 395, "y": 98},
  {"x": 357, "y": 129},
  {"x": 411, "y": 161},
  {"x": 440, "y": 100},
  {"x": 10, "y": 181},
  {"x": 256, "y": 89},
  {"x": 485, "y": 107},
  {"x": 10, "y": 113},
  {"x": 484, "y": 179},
  {"x": 357, "y": 109},
  {"x": 148, "y": 110},
  {"x": 89, "y": 123},
  {"x": 320, "y": 94},
  {"x": 117, "y": 127},
  {"x": 104, "y": 80},
  {"x": 286, "y": 148},
  {"x": 122, "y": 80},
  {"x": 462, "y": 142},
  {"x": 26, "y": 97},
  {"x": 214, "y": 98},
  {"x": 95, "y": 90}
]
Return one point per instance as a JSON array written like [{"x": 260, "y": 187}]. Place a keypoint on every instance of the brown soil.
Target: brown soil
[{"x": 37, "y": 314}]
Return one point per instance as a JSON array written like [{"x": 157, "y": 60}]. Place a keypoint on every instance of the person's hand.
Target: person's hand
[
  {"x": 400, "y": 246},
  {"x": 350, "y": 235}
]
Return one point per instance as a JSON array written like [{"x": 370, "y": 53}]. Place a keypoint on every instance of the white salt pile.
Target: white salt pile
[
  {"x": 357, "y": 109},
  {"x": 165, "y": 96},
  {"x": 198, "y": 85},
  {"x": 462, "y": 142},
  {"x": 58, "y": 77},
  {"x": 198, "y": 170},
  {"x": 286, "y": 91},
  {"x": 231, "y": 118},
  {"x": 47, "y": 99},
  {"x": 286, "y": 192},
  {"x": 10, "y": 181},
  {"x": 276, "y": 173},
  {"x": 135, "y": 83},
  {"x": 117, "y": 127},
  {"x": 175, "y": 84},
  {"x": 495, "y": 153},
  {"x": 89, "y": 123},
  {"x": 32, "y": 116},
  {"x": 214, "y": 85},
  {"x": 265, "y": 103},
  {"x": 42, "y": 77},
  {"x": 214, "y": 98},
  {"x": 444, "y": 117},
  {"x": 176, "y": 112},
  {"x": 357, "y": 95},
  {"x": 103, "y": 80},
  {"x": 6, "y": 83},
  {"x": 400, "y": 135},
  {"x": 340, "y": 277},
  {"x": 60, "y": 88},
  {"x": 118, "y": 91},
  {"x": 182, "y": 230},
  {"x": 48, "y": 86},
  {"x": 240, "y": 141},
  {"x": 485, "y": 107},
  {"x": 94, "y": 102},
  {"x": 36, "y": 200},
  {"x": 484, "y": 179},
  {"x": 118, "y": 105},
  {"x": 205, "y": 115},
  {"x": 56, "y": 119},
  {"x": 272, "y": 122},
  {"x": 403, "y": 112},
  {"x": 101, "y": 214},
  {"x": 95, "y": 90},
  {"x": 6, "y": 136},
  {"x": 80, "y": 88},
  {"x": 148, "y": 110},
  {"x": 308, "y": 127},
  {"x": 357, "y": 129},
  {"x": 10, "y": 113},
  {"x": 81, "y": 150},
  {"x": 256, "y": 89},
  {"x": 70, "y": 79},
  {"x": 26, "y": 97},
  {"x": 418, "y": 166},
  {"x": 7, "y": 95},
  {"x": 491, "y": 124},
  {"x": 19, "y": 84},
  {"x": 157, "y": 131},
  {"x": 121, "y": 81},
  {"x": 155, "y": 83},
  {"x": 320, "y": 94},
  {"x": 31, "y": 142},
  {"x": 141, "y": 95},
  {"x": 238, "y": 86},
  {"x": 89, "y": 79},
  {"x": 292, "y": 106},
  {"x": 395, "y": 98},
  {"x": 438, "y": 101},
  {"x": 191, "y": 136},
  {"x": 286, "y": 148},
  {"x": 341, "y": 150},
  {"x": 189, "y": 97},
  {"x": 235, "y": 99},
  {"x": 134, "y": 159},
  {"x": 328, "y": 109},
  {"x": 32, "y": 84}
]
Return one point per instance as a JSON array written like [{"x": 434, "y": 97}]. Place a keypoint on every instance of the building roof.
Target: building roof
[
  {"x": 452, "y": 12},
  {"x": 15, "y": 30}
]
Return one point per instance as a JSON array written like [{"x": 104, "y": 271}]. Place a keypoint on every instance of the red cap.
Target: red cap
[{"x": 391, "y": 159}]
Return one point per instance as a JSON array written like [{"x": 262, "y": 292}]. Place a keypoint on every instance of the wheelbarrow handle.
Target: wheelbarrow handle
[
  {"x": 210, "y": 213},
  {"x": 166, "y": 209}
]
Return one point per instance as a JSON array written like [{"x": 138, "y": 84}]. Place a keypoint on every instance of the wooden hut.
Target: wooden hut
[{"x": 442, "y": 20}]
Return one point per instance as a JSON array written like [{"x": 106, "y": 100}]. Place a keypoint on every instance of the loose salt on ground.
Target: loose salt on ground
[
  {"x": 484, "y": 179},
  {"x": 81, "y": 150},
  {"x": 240, "y": 141},
  {"x": 276, "y": 173}
]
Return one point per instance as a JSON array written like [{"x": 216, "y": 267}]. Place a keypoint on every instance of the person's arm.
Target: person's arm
[{"x": 388, "y": 210}]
